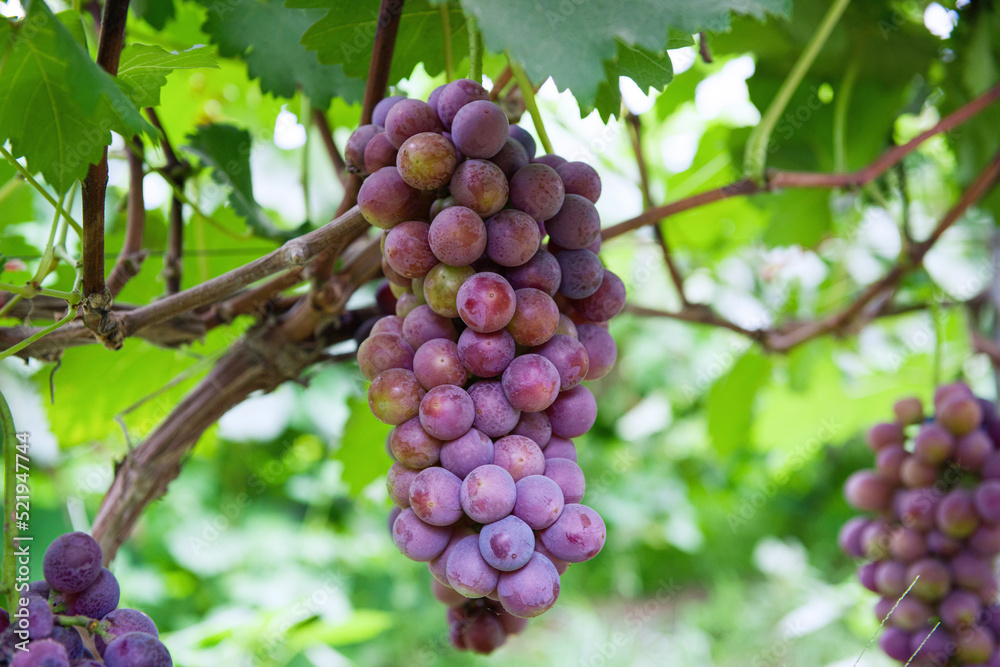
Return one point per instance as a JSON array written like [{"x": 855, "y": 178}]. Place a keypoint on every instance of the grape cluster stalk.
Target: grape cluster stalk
[
  {"x": 931, "y": 547},
  {"x": 478, "y": 363},
  {"x": 71, "y": 617}
]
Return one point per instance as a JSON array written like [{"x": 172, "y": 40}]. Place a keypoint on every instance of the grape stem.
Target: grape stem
[
  {"x": 9, "y": 503},
  {"x": 93, "y": 626},
  {"x": 755, "y": 160},
  {"x": 475, "y": 48},
  {"x": 528, "y": 92}
]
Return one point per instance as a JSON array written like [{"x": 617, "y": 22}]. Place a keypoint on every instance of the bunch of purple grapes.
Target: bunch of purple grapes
[
  {"x": 933, "y": 544},
  {"x": 480, "y": 368},
  {"x": 71, "y": 619}
]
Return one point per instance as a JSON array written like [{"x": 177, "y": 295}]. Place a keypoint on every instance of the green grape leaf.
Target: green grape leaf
[
  {"x": 731, "y": 402},
  {"x": 154, "y": 12},
  {"x": 345, "y": 35},
  {"x": 646, "y": 68},
  {"x": 57, "y": 106},
  {"x": 572, "y": 42},
  {"x": 267, "y": 36},
  {"x": 226, "y": 149},
  {"x": 362, "y": 447},
  {"x": 144, "y": 69}
]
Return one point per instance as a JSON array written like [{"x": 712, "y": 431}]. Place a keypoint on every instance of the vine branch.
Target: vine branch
[
  {"x": 176, "y": 174},
  {"x": 131, "y": 256}
]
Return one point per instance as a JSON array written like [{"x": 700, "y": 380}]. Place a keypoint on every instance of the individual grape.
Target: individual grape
[
  {"x": 458, "y": 236},
  {"x": 379, "y": 153},
  {"x": 447, "y": 412},
  {"x": 876, "y": 539},
  {"x": 485, "y": 354},
  {"x": 539, "y": 501},
  {"x": 895, "y": 642},
  {"x": 602, "y": 351},
  {"x": 531, "y": 383},
  {"x": 463, "y": 455},
  {"x": 576, "y": 225},
  {"x": 537, "y": 190},
  {"x": 947, "y": 392},
  {"x": 394, "y": 396},
  {"x": 441, "y": 286},
  {"x": 970, "y": 571},
  {"x": 972, "y": 450},
  {"x": 579, "y": 178},
  {"x": 382, "y": 107},
  {"x": 40, "y": 619},
  {"x": 956, "y": 514},
  {"x": 72, "y": 562},
  {"x": 889, "y": 461},
  {"x": 531, "y": 590},
  {"x": 541, "y": 272},
  {"x": 974, "y": 645},
  {"x": 915, "y": 473},
  {"x": 910, "y": 614},
  {"x": 441, "y": 205},
  {"x": 354, "y": 150},
  {"x": 561, "y": 448},
  {"x": 582, "y": 273},
  {"x": 436, "y": 363},
  {"x": 386, "y": 200},
  {"x": 941, "y": 544},
  {"x": 481, "y": 186},
  {"x": 97, "y": 600},
  {"x": 930, "y": 578},
  {"x": 866, "y": 576},
  {"x": 495, "y": 416},
  {"x": 866, "y": 490},
  {"x": 446, "y": 595},
  {"x": 568, "y": 475},
  {"x": 438, "y": 566},
  {"x": 567, "y": 327},
  {"x": 434, "y": 497},
  {"x": 488, "y": 494},
  {"x": 398, "y": 481},
  {"x": 456, "y": 95},
  {"x": 577, "y": 535},
  {"x": 882, "y": 435},
  {"x": 486, "y": 302},
  {"x": 381, "y": 352},
  {"x": 907, "y": 545},
  {"x": 510, "y": 157},
  {"x": 849, "y": 538},
  {"x": 987, "y": 500},
  {"x": 960, "y": 608},
  {"x": 536, "y": 317},
  {"x": 413, "y": 447},
  {"x": 890, "y": 578},
  {"x": 136, "y": 649},
  {"x": 573, "y": 413},
  {"x": 959, "y": 414},
  {"x": 407, "y": 249},
  {"x": 467, "y": 570},
  {"x": 512, "y": 237},
  {"x": 426, "y": 161},
  {"x": 422, "y": 324},
  {"x": 409, "y": 117},
  {"x": 909, "y": 410},
  {"x": 485, "y": 634},
  {"x": 570, "y": 358},
  {"x": 519, "y": 455},
  {"x": 606, "y": 302},
  {"x": 123, "y": 621},
  {"x": 523, "y": 137},
  {"x": 41, "y": 653},
  {"x": 479, "y": 129},
  {"x": 550, "y": 160},
  {"x": 534, "y": 425},
  {"x": 507, "y": 544},
  {"x": 417, "y": 540}
]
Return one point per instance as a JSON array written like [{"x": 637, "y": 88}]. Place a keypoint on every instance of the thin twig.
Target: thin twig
[
  {"x": 131, "y": 256},
  {"x": 176, "y": 175},
  {"x": 501, "y": 83},
  {"x": 703, "y": 49}
]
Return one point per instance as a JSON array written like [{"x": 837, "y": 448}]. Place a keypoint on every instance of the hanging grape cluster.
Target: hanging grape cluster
[
  {"x": 71, "y": 618},
  {"x": 933, "y": 542},
  {"x": 480, "y": 368}
]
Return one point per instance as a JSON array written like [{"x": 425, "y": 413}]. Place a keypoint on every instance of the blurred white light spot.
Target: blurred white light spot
[
  {"x": 155, "y": 191},
  {"x": 635, "y": 99},
  {"x": 940, "y": 21},
  {"x": 677, "y": 151},
  {"x": 12, "y": 9},
  {"x": 288, "y": 132},
  {"x": 649, "y": 416},
  {"x": 260, "y": 418},
  {"x": 682, "y": 59},
  {"x": 725, "y": 94}
]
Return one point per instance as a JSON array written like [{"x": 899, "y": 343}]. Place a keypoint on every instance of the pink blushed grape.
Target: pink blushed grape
[
  {"x": 407, "y": 118},
  {"x": 486, "y": 302},
  {"x": 531, "y": 383},
  {"x": 534, "y": 425},
  {"x": 537, "y": 190},
  {"x": 573, "y": 413},
  {"x": 579, "y": 178},
  {"x": 486, "y": 355},
  {"x": 426, "y": 161},
  {"x": 536, "y": 317},
  {"x": 422, "y": 324},
  {"x": 541, "y": 272},
  {"x": 495, "y": 416},
  {"x": 561, "y": 448},
  {"x": 481, "y": 186},
  {"x": 354, "y": 150},
  {"x": 576, "y": 225},
  {"x": 458, "y": 236},
  {"x": 417, "y": 540},
  {"x": 568, "y": 475},
  {"x": 570, "y": 358},
  {"x": 413, "y": 447},
  {"x": 577, "y": 535},
  {"x": 434, "y": 497},
  {"x": 519, "y": 455},
  {"x": 394, "y": 396},
  {"x": 539, "y": 501},
  {"x": 531, "y": 590},
  {"x": 381, "y": 352},
  {"x": 468, "y": 572},
  {"x": 446, "y": 412},
  {"x": 507, "y": 544},
  {"x": 382, "y": 107},
  {"x": 602, "y": 351},
  {"x": 479, "y": 129},
  {"x": 398, "y": 481},
  {"x": 513, "y": 237},
  {"x": 437, "y": 567},
  {"x": 456, "y": 95},
  {"x": 386, "y": 200},
  {"x": 466, "y": 453},
  {"x": 441, "y": 287},
  {"x": 379, "y": 153},
  {"x": 437, "y": 363},
  {"x": 488, "y": 494},
  {"x": 407, "y": 250}
]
